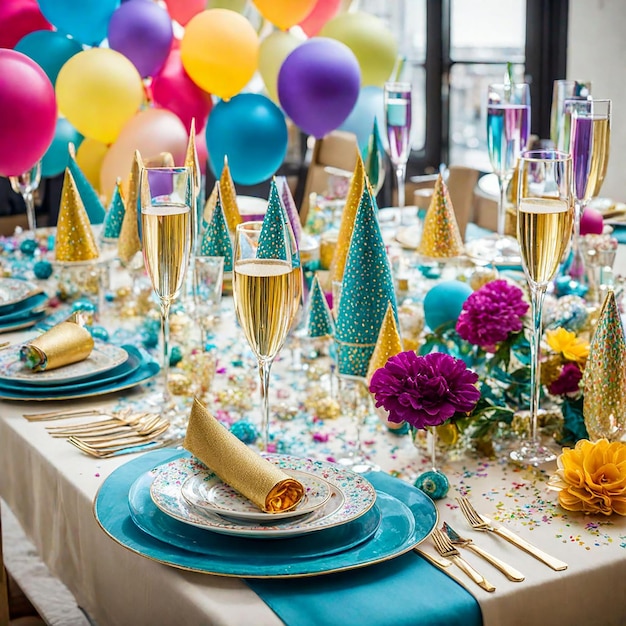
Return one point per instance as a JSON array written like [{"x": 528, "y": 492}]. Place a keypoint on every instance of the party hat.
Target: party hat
[
  {"x": 367, "y": 289},
  {"x": 441, "y": 238},
  {"x": 348, "y": 217},
  {"x": 74, "y": 239},
  {"x": 129, "y": 243},
  {"x": 373, "y": 158},
  {"x": 388, "y": 344},
  {"x": 320, "y": 318},
  {"x": 91, "y": 201},
  {"x": 163, "y": 159},
  {"x": 604, "y": 378},
  {"x": 229, "y": 198},
  {"x": 290, "y": 207},
  {"x": 216, "y": 240},
  {"x": 272, "y": 242},
  {"x": 115, "y": 215},
  {"x": 209, "y": 206}
]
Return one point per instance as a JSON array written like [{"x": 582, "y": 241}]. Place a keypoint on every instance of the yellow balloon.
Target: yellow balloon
[
  {"x": 284, "y": 13},
  {"x": 89, "y": 157},
  {"x": 220, "y": 51},
  {"x": 273, "y": 51},
  {"x": 99, "y": 90}
]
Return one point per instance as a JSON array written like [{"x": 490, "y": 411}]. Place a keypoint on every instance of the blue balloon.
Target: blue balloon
[
  {"x": 251, "y": 131},
  {"x": 56, "y": 158},
  {"x": 49, "y": 49},
  {"x": 86, "y": 21},
  {"x": 369, "y": 105}
]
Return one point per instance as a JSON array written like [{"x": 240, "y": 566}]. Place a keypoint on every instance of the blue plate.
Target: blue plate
[
  {"x": 27, "y": 310},
  {"x": 130, "y": 366},
  {"x": 404, "y": 524},
  {"x": 146, "y": 370},
  {"x": 31, "y": 320},
  {"x": 278, "y": 553}
]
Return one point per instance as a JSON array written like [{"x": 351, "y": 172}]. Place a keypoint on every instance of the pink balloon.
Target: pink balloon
[
  {"x": 28, "y": 113},
  {"x": 17, "y": 19},
  {"x": 323, "y": 11},
  {"x": 172, "y": 89},
  {"x": 183, "y": 10}
]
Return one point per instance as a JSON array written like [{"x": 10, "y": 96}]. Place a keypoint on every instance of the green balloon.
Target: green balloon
[
  {"x": 274, "y": 49},
  {"x": 371, "y": 41}
]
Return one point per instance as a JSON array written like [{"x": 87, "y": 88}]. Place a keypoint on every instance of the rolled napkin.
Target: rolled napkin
[
  {"x": 63, "y": 344},
  {"x": 244, "y": 470}
]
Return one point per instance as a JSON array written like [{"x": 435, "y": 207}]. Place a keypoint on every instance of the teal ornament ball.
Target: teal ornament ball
[
  {"x": 244, "y": 431},
  {"x": 84, "y": 305},
  {"x": 176, "y": 356},
  {"x": 444, "y": 302},
  {"x": 99, "y": 332},
  {"x": 433, "y": 484},
  {"x": 149, "y": 338},
  {"x": 42, "y": 269},
  {"x": 28, "y": 247}
]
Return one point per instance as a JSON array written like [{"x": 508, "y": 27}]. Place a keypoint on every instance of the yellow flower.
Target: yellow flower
[
  {"x": 566, "y": 343},
  {"x": 592, "y": 477}
]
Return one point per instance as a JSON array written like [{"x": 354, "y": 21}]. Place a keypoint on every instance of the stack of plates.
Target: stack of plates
[
  {"x": 181, "y": 514},
  {"x": 107, "y": 369},
  {"x": 22, "y": 304}
]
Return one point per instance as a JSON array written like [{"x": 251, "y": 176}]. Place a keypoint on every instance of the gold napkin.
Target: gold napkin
[
  {"x": 63, "y": 344},
  {"x": 244, "y": 470}
]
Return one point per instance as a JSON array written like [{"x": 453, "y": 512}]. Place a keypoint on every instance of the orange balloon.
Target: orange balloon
[
  {"x": 151, "y": 132},
  {"x": 89, "y": 157},
  {"x": 284, "y": 13}
]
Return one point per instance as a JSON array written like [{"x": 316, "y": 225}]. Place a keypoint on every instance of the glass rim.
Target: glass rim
[
  {"x": 545, "y": 155},
  {"x": 252, "y": 225},
  {"x": 175, "y": 169},
  {"x": 509, "y": 85}
]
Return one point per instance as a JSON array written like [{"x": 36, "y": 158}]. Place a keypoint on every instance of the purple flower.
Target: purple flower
[
  {"x": 424, "y": 390},
  {"x": 568, "y": 380},
  {"x": 491, "y": 313}
]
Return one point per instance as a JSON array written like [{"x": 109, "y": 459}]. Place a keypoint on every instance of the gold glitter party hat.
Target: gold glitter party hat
[
  {"x": 91, "y": 200},
  {"x": 229, "y": 198},
  {"x": 129, "y": 243},
  {"x": 74, "y": 240},
  {"x": 389, "y": 343},
  {"x": 348, "y": 217},
  {"x": 604, "y": 378},
  {"x": 441, "y": 238},
  {"x": 211, "y": 201}
]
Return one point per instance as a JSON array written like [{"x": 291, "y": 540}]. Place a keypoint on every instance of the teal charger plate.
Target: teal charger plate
[{"x": 26, "y": 311}]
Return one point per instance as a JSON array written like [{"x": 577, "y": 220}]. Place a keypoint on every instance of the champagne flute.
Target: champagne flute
[
  {"x": 166, "y": 195},
  {"x": 267, "y": 287},
  {"x": 397, "y": 102},
  {"x": 26, "y": 184},
  {"x": 559, "y": 116},
  {"x": 544, "y": 227}
]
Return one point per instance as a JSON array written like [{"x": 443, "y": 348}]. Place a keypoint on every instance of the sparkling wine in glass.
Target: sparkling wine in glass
[
  {"x": 166, "y": 227},
  {"x": 559, "y": 115},
  {"x": 26, "y": 184},
  {"x": 397, "y": 103},
  {"x": 267, "y": 287},
  {"x": 545, "y": 219}
]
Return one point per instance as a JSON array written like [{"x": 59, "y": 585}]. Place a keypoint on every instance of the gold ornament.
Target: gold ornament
[{"x": 129, "y": 243}]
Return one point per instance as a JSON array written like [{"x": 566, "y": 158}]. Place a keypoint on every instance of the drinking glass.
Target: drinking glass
[
  {"x": 267, "y": 286},
  {"x": 545, "y": 216},
  {"x": 26, "y": 184},
  {"x": 166, "y": 195},
  {"x": 559, "y": 116},
  {"x": 208, "y": 276},
  {"x": 397, "y": 102}
]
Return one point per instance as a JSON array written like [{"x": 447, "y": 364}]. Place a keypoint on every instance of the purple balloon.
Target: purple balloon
[
  {"x": 142, "y": 31},
  {"x": 318, "y": 85}
]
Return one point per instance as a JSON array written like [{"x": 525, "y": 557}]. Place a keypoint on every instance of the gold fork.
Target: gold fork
[
  {"x": 156, "y": 424},
  {"x": 483, "y": 523},
  {"x": 447, "y": 550},
  {"x": 130, "y": 439},
  {"x": 125, "y": 449},
  {"x": 138, "y": 421},
  {"x": 55, "y": 415}
]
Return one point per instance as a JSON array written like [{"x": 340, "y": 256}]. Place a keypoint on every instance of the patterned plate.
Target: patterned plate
[
  {"x": 208, "y": 492},
  {"x": 357, "y": 496},
  {"x": 13, "y": 290},
  {"x": 26, "y": 310}
]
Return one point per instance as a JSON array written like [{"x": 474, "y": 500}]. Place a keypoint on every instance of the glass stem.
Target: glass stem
[
  {"x": 401, "y": 176},
  {"x": 165, "y": 330},
  {"x": 537, "y": 293},
  {"x": 29, "y": 201},
  {"x": 264, "y": 374},
  {"x": 577, "y": 267},
  {"x": 433, "y": 447},
  {"x": 503, "y": 183}
]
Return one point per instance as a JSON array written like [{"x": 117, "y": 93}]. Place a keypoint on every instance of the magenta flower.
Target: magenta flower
[
  {"x": 491, "y": 313},
  {"x": 424, "y": 390},
  {"x": 568, "y": 380}
]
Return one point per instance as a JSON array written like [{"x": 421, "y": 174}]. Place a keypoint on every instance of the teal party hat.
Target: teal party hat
[
  {"x": 216, "y": 239},
  {"x": 290, "y": 207},
  {"x": 367, "y": 289},
  {"x": 374, "y": 160},
  {"x": 320, "y": 318},
  {"x": 115, "y": 215},
  {"x": 93, "y": 206}
]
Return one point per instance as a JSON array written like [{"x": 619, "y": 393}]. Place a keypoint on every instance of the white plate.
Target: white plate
[
  {"x": 352, "y": 496},
  {"x": 13, "y": 290},
  {"x": 210, "y": 493},
  {"x": 103, "y": 357},
  {"x": 251, "y": 206}
]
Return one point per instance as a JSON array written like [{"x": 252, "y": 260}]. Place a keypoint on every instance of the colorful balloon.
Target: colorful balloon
[
  {"x": 172, "y": 89},
  {"x": 323, "y": 11},
  {"x": 50, "y": 49},
  {"x": 318, "y": 85},
  {"x": 284, "y": 13},
  {"x": 99, "y": 90},
  {"x": 183, "y": 10},
  {"x": 371, "y": 41},
  {"x": 18, "y": 18},
  {"x": 251, "y": 130},
  {"x": 142, "y": 31},
  {"x": 86, "y": 22},
  {"x": 57, "y": 156},
  {"x": 89, "y": 156},
  {"x": 151, "y": 131},
  {"x": 369, "y": 105},
  {"x": 220, "y": 50},
  {"x": 28, "y": 113},
  {"x": 273, "y": 51}
]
